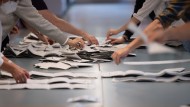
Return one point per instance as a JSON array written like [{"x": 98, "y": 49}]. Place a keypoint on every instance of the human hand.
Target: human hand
[
  {"x": 45, "y": 39},
  {"x": 119, "y": 54},
  {"x": 111, "y": 32},
  {"x": 117, "y": 40},
  {"x": 20, "y": 75},
  {"x": 91, "y": 39},
  {"x": 77, "y": 43}
]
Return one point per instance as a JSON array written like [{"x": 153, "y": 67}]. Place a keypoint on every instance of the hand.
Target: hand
[
  {"x": 15, "y": 30},
  {"x": 45, "y": 39},
  {"x": 111, "y": 32},
  {"x": 117, "y": 40},
  {"x": 121, "y": 53},
  {"x": 91, "y": 39},
  {"x": 20, "y": 75},
  {"x": 77, "y": 43}
]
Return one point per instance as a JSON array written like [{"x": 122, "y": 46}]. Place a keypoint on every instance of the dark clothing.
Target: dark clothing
[
  {"x": 39, "y": 4},
  {"x": 138, "y": 5}
]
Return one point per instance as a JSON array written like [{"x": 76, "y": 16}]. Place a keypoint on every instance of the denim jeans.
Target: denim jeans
[{"x": 186, "y": 45}]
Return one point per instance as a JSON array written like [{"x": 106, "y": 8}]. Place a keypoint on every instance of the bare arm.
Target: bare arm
[{"x": 66, "y": 27}]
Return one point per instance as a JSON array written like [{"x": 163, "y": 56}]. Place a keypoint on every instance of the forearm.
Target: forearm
[
  {"x": 7, "y": 65},
  {"x": 179, "y": 33},
  {"x": 61, "y": 24}
]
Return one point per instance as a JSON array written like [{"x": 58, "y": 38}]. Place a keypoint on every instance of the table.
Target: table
[{"x": 113, "y": 94}]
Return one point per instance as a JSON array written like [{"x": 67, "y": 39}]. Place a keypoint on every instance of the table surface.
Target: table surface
[{"x": 122, "y": 94}]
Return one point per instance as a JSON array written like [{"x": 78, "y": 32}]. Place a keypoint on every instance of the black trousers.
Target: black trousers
[
  {"x": 138, "y": 5},
  {"x": 4, "y": 43}
]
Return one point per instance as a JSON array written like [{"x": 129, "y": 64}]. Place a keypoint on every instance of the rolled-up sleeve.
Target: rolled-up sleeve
[
  {"x": 29, "y": 14},
  {"x": 147, "y": 8},
  {"x": 174, "y": 11}
]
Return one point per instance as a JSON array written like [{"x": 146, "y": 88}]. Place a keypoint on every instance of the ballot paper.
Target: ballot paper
[
  {"x": 135, "y": 73},
  {"x": 54, "y": 65},
  {"x": 53, "y": 59},
  {"x": 77, "y": 64},
  {"x": 31, "y": 38},
  {"x": 84, "y": 98},
  {"x": 46, "y": 51},
  {"x": 46, "y": 86},
  {"x": 151, "y": 79},
  {"x": 53, "y": 75},
  {"x": 50, "y": 81},
  {"x": 157, "y": 62}
]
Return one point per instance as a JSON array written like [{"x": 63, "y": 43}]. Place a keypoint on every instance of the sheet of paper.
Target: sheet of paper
[
  {"x": 49, "y": 65},
  {"x": 84, "y": 98},
  {"x": 77, "y": 64},
  {"x": 151, "y": 79},
  {"x": 135, "y": 73},
  {"x": 46, "y": 86},
  {"x": 157, "y": 62}
]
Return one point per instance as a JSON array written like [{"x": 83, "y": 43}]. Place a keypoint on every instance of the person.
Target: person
[
  {"x": 128, "y": 34},
  {"x": 174, "y": 11},
  {"x": 63, "y": 25},
  {"x": 19, "y": 74},
  {"x": 23, "y": 9}
]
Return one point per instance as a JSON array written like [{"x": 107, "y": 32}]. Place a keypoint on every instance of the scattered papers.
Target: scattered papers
[
  {"x": 157, "y": 62},
  {"x": 85, "y": 98},
  {"x": 53, "y": 75},
  {"x": 46, "y": 86},
  {"x": 50, "y": 81},
  {"x": 151, "y": 79},
  {"x": 134, "y": 73}
]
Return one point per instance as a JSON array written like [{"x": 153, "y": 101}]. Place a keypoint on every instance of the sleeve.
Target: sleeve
[
  {"x": 29, "y": 14},
  {"x": 1, "y": 59},
  {"x": 147, "y": 8},
  {"x": 39, "y": 4},
  {"x": 174, "y": 11}
]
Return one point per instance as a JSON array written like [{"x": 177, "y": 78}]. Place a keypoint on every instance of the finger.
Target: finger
[
  {"x": 27, "y": 74},
  {"x": 117, "y": 59},
  {"x": 23, "y": 78}
]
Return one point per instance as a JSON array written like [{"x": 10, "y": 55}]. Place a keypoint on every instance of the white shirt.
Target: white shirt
[
  {"x": 29, "y": 14},
  {"x": 153, "y": 5}
]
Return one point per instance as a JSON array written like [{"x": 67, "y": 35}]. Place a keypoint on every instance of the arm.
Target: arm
[
  {"x": 147, "y": 8},
  {"x": 173, "y": 12},
  {"x": 29, "y": 14},
  {"x": 173, "y": 34},
  {"x": 65, "y": 26},
  {"x": 19, "y": 74}
]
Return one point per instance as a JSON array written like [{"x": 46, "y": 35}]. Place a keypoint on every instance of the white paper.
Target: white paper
[
  {"x": 77, "y": 64},
  {"x": 157, "y": 62},
  {"x": 84, "y": 98},
  {"x": 46, "y": 86},
  {"x": 48, "y": 65},
  {"x": 151, "y": 79},
  {"x": 172, "y": 71}
]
